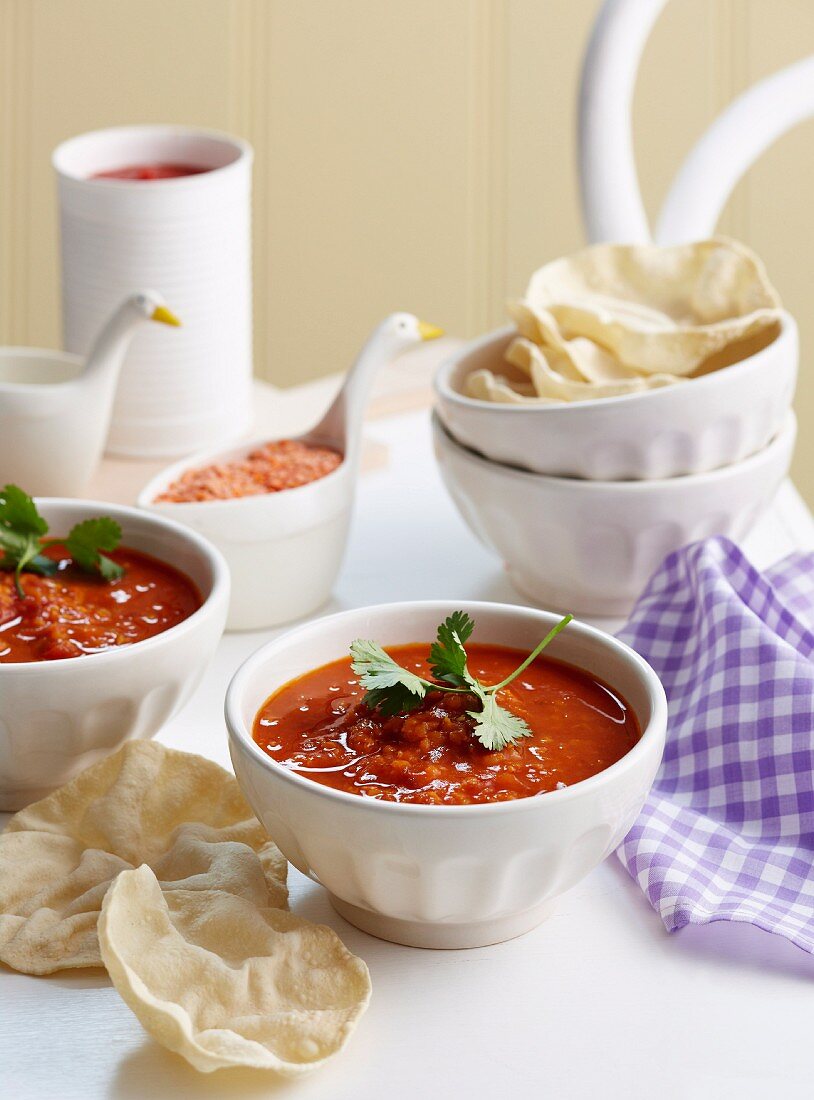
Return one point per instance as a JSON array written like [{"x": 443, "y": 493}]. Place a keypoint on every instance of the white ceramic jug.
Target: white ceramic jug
[{"x": 55, "y": 407}]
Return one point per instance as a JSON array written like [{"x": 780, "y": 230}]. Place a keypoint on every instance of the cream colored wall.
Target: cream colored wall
[{"x": 415, "y": 155}]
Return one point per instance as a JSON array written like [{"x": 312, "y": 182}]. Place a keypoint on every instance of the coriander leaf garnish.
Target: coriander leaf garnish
[
  {"x": 395, "y": 690},
  {"x": 21, "y": 531},
  {"x": 496, "y": 727},
  {"x": 22, "y": 540},
  {"x": 389, "y": 687},
  {"x": 18, "y": 512},
  {"x": 397, "y": 699},
  {"x": 380, "y": 670},
  {"x": 86, "y": 541},
  {"x": 535, "y": 653},
  {"x": 447, "y": 654}
]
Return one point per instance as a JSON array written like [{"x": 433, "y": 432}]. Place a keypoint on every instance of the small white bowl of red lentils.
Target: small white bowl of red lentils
[{"x": 277, "y": 510}]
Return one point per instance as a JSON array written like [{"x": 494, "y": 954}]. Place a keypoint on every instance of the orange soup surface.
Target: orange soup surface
[
  {"x": 319, "y": 727},
  {"x": 281, "y": 464},
  {"x": 72, "y": 613},
  {"x": 157, "y": 171}
]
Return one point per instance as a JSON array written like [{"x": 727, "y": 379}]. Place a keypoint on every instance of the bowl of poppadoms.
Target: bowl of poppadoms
[{"x": 629, "y": 362}]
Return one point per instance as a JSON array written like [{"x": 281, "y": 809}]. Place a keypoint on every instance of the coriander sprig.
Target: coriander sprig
[
  {"x": 22, "y": 540},
  {"x": 395, "y": 690}
]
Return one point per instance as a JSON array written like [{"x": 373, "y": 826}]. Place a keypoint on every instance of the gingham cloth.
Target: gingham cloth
[{"x": 727, "y": 832}]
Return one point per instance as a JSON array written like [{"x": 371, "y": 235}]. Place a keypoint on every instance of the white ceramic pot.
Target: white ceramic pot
[
  {"x": 52, "y": 428},
  {"x": 189, "y": 238},
  {"x": 591, "y": 546},
  {"x": 284, "y": 549},
  {"x": 58, "y": 717},
  {"x": 695, "y": 426},
  {"x": 444, "y": 876}
]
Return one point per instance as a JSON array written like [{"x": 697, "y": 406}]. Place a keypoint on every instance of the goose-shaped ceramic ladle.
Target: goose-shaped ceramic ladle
[
  {"x": 284, "y": 549},
  {"x": 55, "y": 408},
  {"x": 341, "y": 426}
]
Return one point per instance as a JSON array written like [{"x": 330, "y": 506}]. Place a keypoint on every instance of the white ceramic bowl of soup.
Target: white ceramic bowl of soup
[
  {"x": 591, "y": 546},
  {"x": 59, "y": 717},
  {"x": 444, "y": 876},
  {"x": 692, "y": 427},
  {"x": 284, "y": 549}
]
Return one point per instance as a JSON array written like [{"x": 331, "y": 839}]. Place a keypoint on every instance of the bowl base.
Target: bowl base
[
  {"x": 245, "y": 620},
  {"x": 556, "y": 599},
  {"x": 13, "y": 799},
  {"x": 438, "y": 935}
]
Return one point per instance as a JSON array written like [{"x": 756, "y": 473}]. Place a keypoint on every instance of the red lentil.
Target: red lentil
[
  {"x": 281, "y": 464},
  {"x": 72, "y": 613}
]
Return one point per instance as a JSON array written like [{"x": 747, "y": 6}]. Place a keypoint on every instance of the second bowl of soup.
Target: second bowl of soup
[
  {"x": 419, "y": 833},
  {"x": 87, "y": 664}
]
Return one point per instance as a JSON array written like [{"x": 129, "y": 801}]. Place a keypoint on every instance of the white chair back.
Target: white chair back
[{"x": 611, "y": 199}]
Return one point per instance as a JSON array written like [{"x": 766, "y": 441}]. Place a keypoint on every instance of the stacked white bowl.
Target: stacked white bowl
[{"x": 583, "y": 501}]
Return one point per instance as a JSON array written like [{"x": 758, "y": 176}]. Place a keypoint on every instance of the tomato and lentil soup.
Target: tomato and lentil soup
[
  {"x": 319, "y": 727},
  {"x": 281, "y": 464},
  {"x": 72, "y": 613},
  {"x": 157, "y": 171}
]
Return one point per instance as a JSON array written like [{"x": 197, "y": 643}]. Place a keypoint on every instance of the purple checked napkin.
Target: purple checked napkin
[{"x": 727, "y": 832}]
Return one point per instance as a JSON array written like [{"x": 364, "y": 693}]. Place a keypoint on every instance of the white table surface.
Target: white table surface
[{"x": 597, "y": 1001}]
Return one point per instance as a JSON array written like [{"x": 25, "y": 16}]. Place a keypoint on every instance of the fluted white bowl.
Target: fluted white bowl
[
  {"x": 58, "y": 717},
  {"x": 444, "y": 876},
  {"x": 591, "y": 546},
  {"x": 695, "y": 426}
]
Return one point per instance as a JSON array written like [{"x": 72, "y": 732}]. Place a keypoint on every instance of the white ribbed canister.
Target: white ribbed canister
[{"x": 188, "y": 238}]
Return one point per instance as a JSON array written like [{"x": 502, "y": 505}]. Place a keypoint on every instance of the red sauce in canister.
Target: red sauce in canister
[{"x": 157, "y": 171}]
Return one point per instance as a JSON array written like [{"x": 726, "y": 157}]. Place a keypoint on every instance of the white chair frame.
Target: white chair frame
[{"x": 611, "y": 198}]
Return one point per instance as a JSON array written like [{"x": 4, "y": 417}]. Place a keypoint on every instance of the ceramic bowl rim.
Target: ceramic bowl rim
[
  {"x": 242, "y": 148},
  {"x": 218, "y": 593},
  {"x": 186, "y": 509},
  {"x": 445, "y": 392},
  {"x": 787, "y": 431},
  {"x": 242, "y": 737},
  {"x": 12, "y": 351}
]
